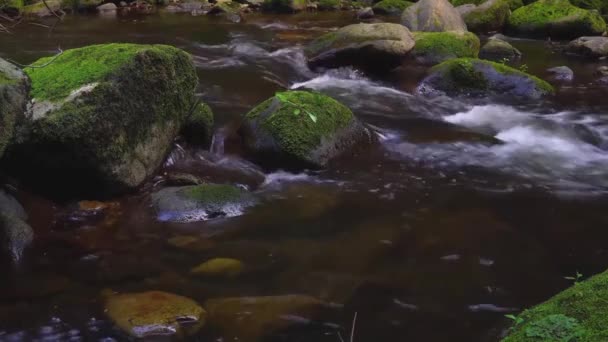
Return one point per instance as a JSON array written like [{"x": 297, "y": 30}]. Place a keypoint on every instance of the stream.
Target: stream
[{"x": 467, "y": 209}]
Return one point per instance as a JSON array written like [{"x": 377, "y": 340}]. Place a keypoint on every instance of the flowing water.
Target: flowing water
[{"x": 466, "y": 211}]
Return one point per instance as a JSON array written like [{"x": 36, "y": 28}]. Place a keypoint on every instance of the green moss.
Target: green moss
[
  {"x": 213, "y": 193},
  {"x": 292, "y": 128},
  {"x": 198, "y": 128},
  {"x": 5, "y": 79},
  {"x": 329, "y": 4},
  {"x": 577, "y": 314},
  {"x": 78, "y": 67},
  {"x": 556, "y": 17},
  {"x": 441, "y": 46},
  {"x": 492, "y": 18},
  {"x": 395, "y": 7},
  {"x": 463, "y": 72}
]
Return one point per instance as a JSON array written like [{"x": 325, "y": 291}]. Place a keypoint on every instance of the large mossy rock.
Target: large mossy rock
[
  {"x": 595, "y": 47},
  {"x": 367, "y": 46},
  {"x": 265, "y": 315},
  {"x": 104, "y": 116},
  {"x": 474, "y": 77},
  {"x": 200, "y": 202},
  {"x": 436, "y": 47},
  {"x": 555, "y": 18},
  {"x": 498, "y": 50},
  {"x": 491, "y": 15},
  {"x": 391, "y": 7},
  {"x": 301, "y": 128},
  {"x": 433, "y": 16},
  {"x": 577, "y": 314},
  {"x": 14, "y": 87},
  {"x": 155, "y": 314}
]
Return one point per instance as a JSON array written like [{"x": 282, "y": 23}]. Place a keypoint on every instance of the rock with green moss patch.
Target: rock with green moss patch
[
  {"x": 219, "y": 267},
  {"x": 200, "y": 202},
  {"x": 266, "y": 315},
  {"x": 329, "y": 5},
  {"x": 300, "y": 128},
  {"x": 155, "y": 314},
  {"x": 499, "y": 50},
  {"x": 229, "y": 9},
  {"x": 436, "y": 47},
  {"x": 284, "y": 6},
  {"x": 595, "y": 47},
  {"x": 391, "y": 7},
  {"x": 491, "y": 15},
  {"x": 555, "y": 18},
  {"x": 104, "y": 116},
  {"x": 577, "y": 314},
  {"x": 198, "y": 128},
  {"x": 12, "y": 7},
  {"x": 14, "y": 86},
  {"x": 39, "y": 9},
  {"x": 366, "y": 46},
  {"x": 433, "y": 16},
  {"x": 513, "y": 4},
  {"x": 474, "y": 77}
]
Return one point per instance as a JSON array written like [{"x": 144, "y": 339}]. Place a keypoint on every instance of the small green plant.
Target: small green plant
[
  {"x": 523, "y": 68},
  {"x": 505, "y": 60},
  {"x": 576, "y": 279},
  {"x": 516, "y": 320},
  {"x": 299, "y": 109}
]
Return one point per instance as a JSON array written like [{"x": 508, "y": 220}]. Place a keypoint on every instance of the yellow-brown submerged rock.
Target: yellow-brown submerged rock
[
  {"x": 219, "y": 267},
  {"x": 155, "y": 313}
]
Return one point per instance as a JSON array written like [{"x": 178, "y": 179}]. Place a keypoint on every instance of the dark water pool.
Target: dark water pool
[{"x": 434, "y": 235}]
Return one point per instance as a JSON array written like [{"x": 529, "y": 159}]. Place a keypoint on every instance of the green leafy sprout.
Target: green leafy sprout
[{"x": 299, "y": 109}]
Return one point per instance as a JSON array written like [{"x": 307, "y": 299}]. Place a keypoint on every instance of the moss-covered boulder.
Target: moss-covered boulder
[
  {"x": 301, "y": 128},
  {"x": 474, "y": 77},
  {"x": 595, "y": 47},
  {"x": 367, "y": 46},
  {"x": 433, "y": 16},
  {"x": 266, "y": 315},
  {"x": 577, "y": 314},
  {"x": 391, "y": 7},
  {"x": 12, "y": 7},
  {"x": 219, "y": 267},
  {"x": 14, "y": 87},
  {"x": 436, "y": 47},
  {"x": 498, "y": 50},
  {"x": 103, "y": 117},
  {"x": 555, "y": 18},
  {"x": 15, "y": 234},
  {"x": 284, "y": 6},
  {"x": 491, "y": 15},
  {"x": 39, "y": 9},
  {"x": 198, "y": 128},
  {"x": 200, "y": 202},
  {"x": 155, "y": 314}
]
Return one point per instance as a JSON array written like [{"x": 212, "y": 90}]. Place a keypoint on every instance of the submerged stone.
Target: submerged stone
[
  {"x": 433, "y": 16},
  {"x": 219, "y": 267},
  {"x": 252, "y": 318},
  {"x": 436, "y": 47},
  {"x": 555, "y": 18},
  {"x": 368, "y": 46},
  {"x": 577, "y": 314},
  {"x": 14, "y": 85},
  {"x": 155, "y": 313},
  {"x": 475, "y": 77},
  {"x": 201, "y": 202},
  {"x": 104, "y": 116},
  {"x": 301, "y": 128}
]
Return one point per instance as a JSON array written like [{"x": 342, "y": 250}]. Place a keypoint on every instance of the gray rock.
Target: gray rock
[
  {"x": 498, "y": 50},
  {"x": 466, "y": 9},
  {"x": 15, "y": 234},
  {"x": 602, "y": 70},
  {"x": 561, "y": 73},
  {"x": 595, "y": 47},
  {"x": 109, "y": 7},
  {"x": 200, "y": 202},
  {"x": 368, "y": 46},
  {"x": 433, "y": 16},
  {"x": 365, "y": 13}
]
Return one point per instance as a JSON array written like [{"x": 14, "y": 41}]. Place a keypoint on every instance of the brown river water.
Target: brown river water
[{"x": 433, "y": 235}]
